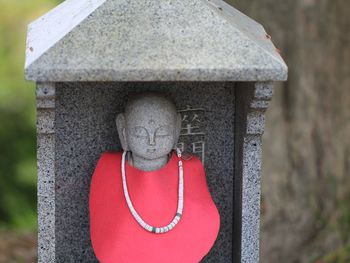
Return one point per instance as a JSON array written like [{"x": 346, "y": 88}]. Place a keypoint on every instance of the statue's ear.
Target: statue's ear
[
  {"x": 178, "y": 128},
  {"x": 121, "y": 125}
]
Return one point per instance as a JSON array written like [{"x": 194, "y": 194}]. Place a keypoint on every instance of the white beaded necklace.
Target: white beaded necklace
[{"x": 180, "y": 204}]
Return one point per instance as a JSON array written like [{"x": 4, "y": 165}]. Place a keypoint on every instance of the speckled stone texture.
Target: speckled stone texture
[
  {"x": 168, "y": 40},
  {"x": 45, "y": 94},
  {"x": 252, "y": 100},
  {"x": 85, "y": 128},
  {"x": 76, "y": 123}
]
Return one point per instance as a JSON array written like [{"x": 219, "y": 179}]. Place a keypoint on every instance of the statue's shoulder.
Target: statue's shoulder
[
  {"x": 186, "y": 156},
  {"x": 109, "y": 156},
  {"x": 192, "y": 159},
  {"x": 106, "y": 163},
  {"x": 194, "y": 168}
]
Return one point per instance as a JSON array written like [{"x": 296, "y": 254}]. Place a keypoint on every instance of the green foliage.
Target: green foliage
[
  {"x": 17, "y": 117},
  {"x": 344, "y": 220},
  {"x": 342, "y": 255}
]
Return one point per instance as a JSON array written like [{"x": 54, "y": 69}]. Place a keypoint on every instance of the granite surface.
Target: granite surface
[
  {"x": 85, "y": 127},
  {"x": 45, "y": 94},
  {"x": 169, "y": 40},
  {"x": 44, "y": 32},
  {"x": 251, "y": 103}
]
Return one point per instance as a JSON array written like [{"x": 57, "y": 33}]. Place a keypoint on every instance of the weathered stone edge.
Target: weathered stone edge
[
  {"x": 72, "y": 75},
  {"x": 49, "y": 29},
  {"x": 45, "y": 96}
]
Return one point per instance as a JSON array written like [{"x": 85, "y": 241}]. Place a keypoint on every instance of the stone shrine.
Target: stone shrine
[{"x": 89, "y": 56}]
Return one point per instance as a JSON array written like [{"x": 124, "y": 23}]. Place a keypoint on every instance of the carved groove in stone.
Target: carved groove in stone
[
  {"x": 45, "y": 97},
  {"x": 258, "y": 104}
]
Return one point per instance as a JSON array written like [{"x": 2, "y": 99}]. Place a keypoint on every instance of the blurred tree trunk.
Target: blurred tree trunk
[{"x": 306, "y": 169}]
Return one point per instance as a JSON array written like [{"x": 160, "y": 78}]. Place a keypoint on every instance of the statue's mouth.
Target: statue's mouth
[{"x": 151, "y": 150}]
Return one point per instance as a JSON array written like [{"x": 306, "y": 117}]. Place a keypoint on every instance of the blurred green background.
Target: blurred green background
[
  {"x": 17, "y": 117},
  {"x": 306, "y": 178},
  {"x": 18, "y": 219}
]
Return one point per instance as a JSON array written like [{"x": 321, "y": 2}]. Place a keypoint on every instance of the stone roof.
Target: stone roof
[{"x": 146, "y": 40}]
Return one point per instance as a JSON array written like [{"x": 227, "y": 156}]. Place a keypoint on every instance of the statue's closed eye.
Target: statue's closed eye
[
  {"x": 139, "y": 132},
  {"x": 163, "y": 131}
]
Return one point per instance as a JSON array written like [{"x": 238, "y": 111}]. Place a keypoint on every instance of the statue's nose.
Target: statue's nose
[{"x": 152, "y": 140}]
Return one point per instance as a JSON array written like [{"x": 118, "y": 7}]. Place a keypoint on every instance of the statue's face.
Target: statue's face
[{"x": 150, "y": 130}]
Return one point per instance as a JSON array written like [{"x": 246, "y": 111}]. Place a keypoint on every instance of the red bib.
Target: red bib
[{"x": 117, "y": 237}]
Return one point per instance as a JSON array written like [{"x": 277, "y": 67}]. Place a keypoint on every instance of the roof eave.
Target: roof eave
[{"x": 134, "y": 75}]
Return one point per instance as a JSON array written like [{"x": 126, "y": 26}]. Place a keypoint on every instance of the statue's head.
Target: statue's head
[{"x": 150, "y": 126}]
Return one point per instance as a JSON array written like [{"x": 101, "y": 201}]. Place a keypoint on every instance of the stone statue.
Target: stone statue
[
  {"x": 148, "y": 203},
  {"x": 149, "y": 129}
]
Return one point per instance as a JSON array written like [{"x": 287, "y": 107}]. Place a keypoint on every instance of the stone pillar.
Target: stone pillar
[
  {"x": 252, "y": 101},
  {"x": 45, "y": 95}
]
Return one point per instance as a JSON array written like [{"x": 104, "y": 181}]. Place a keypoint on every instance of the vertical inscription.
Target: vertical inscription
[{"x": 192, "y": 131}]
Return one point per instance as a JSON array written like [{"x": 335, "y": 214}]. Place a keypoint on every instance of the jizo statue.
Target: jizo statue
[
  {"x": 149, "y": 203},
  {"x": 149, "y": 129}
]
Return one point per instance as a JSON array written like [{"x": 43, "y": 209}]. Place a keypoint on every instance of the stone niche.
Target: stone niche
[{"x": 89, "y": 57}]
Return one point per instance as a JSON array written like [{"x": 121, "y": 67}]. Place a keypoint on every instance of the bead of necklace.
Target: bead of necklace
[{"x": 142, "y": 223}]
